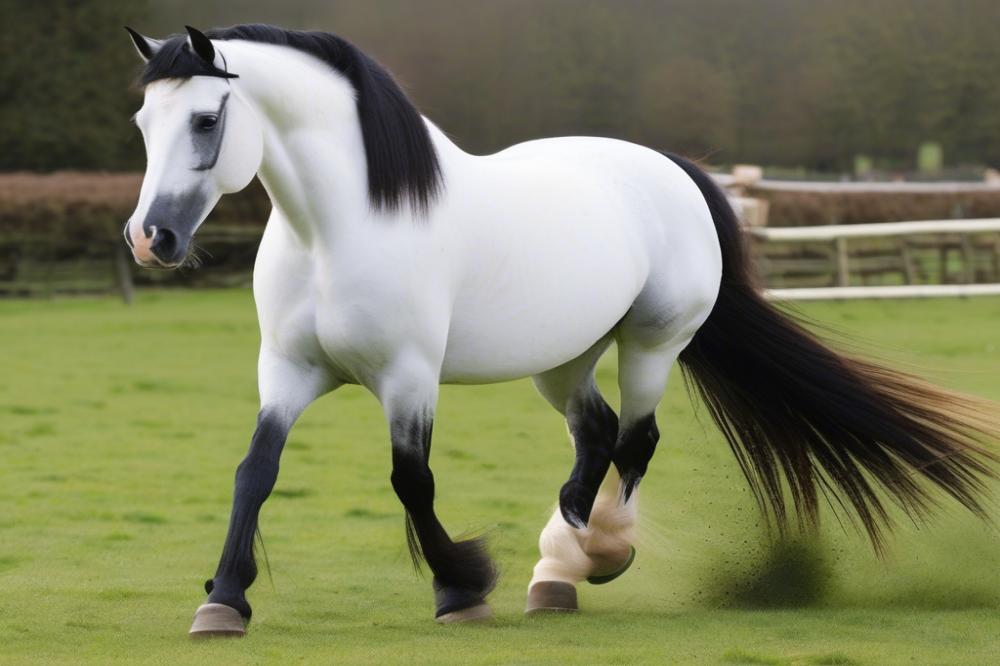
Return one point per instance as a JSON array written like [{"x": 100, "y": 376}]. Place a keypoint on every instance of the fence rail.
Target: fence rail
[
  {"x": 46, "y": 266},
  {"x": 752, "y": 176},
  {"x": 871, "y": 187},
  {"x": 895, "y": 291},
  {"x": 840, "y": 234},
  {"x": 825, "y": 261},
  {"x": 878, "y": 230}
]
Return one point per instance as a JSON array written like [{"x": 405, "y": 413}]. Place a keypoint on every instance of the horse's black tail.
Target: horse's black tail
[{"x": 798, "y": 414}]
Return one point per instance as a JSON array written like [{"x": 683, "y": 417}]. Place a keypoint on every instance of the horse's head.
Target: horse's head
[{"x": 202, "y": 141}]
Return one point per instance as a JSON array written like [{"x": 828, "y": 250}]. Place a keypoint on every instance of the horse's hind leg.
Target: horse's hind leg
[
  {"x": 642, "y": 379},
  {"x": 648, "y": 344},
  {"x": 597, "y": 553},
  {"x": 589, "y": 534},
  {"x": 661, "y": 323}
]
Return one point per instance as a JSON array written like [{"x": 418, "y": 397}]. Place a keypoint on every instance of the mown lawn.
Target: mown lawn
[{"x": 120, "y": 429}]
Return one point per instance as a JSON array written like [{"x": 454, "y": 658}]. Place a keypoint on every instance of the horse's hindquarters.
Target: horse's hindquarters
[{"x": 577, "y": 229}]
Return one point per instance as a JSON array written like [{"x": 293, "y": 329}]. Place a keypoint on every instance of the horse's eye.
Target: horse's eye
[{"x": 206, "y": 123}]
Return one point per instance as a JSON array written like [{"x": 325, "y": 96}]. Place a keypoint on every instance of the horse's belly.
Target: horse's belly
[
  {"x": 502, "y": 350},
  {"x": 542, "y": 304}
]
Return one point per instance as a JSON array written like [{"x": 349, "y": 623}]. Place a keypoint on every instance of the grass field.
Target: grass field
[{"x": 120, "y": 429}]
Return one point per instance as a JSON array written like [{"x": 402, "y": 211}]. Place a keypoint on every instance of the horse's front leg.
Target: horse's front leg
[
  {"x": 463, "y": 571},
  {"x": 286, "y": 388}
]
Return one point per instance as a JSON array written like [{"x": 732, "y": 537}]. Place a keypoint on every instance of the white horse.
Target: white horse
[{"x": 394, "y": 260}]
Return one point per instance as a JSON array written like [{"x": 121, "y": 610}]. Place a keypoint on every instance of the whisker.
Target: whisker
[
  {"x": 201, "y": 249},
  {"x": 194, "y": 258}
]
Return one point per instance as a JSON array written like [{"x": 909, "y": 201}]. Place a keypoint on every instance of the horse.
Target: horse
[{"x": 394, "y": 260}]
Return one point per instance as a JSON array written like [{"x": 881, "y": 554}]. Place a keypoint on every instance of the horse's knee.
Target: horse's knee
[{"x": 258, "y": 471}]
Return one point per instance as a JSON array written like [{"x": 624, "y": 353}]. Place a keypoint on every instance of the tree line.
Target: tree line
[{"x": 776, "y": 82}]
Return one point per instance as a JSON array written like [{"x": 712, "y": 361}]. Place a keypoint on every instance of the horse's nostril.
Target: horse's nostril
[{"x": 164, "y": 245}]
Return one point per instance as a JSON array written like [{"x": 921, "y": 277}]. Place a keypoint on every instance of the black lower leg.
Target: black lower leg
[
  {"x": 463, "y": 571},
  {"x": 255, "y": 478},
  {"x": 593, "y": 425},
  {"x": 634, "y": 450}
]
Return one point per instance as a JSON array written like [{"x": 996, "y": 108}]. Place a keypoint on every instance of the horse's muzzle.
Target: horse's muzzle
[{"x": 159, "y": 247}]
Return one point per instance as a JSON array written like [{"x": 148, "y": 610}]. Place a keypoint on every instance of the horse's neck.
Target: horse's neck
[
  {"x": 315, "y": 180},
  {"x": 314, "y": 167}
]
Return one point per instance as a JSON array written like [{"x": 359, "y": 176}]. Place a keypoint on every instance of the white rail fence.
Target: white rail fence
[
  {"x": 900, "y": 291},
  {"x": 899, "y": 187},
  {"x": 751, "y": 175},
  {"x": 841, "y": 234}
]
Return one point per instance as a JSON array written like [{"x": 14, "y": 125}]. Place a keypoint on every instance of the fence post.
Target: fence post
[
  {"x": 957, "y": 213},
  {"x": 843, "y": 263},
  {"x": 123, "y": 271},
  {"x": 909, "y": 265},
  {"x": 996, "y": 260},
  {"x": 968, "y": 259}
]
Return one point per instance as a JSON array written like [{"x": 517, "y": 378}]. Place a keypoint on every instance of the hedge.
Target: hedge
[
  {"x": 90, "y": 205},
  {"x": 796, "y": 209},
  {"x": 81, "y": 204}
]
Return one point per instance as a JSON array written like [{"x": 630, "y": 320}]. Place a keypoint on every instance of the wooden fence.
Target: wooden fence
[
  {"x": 45, "y": 266},
  {"x": 923, "y": 258},
  {"x": 869, "y": 260},
  {"x": 977, "y": 243},
  {"x": 61, "y": 233}
]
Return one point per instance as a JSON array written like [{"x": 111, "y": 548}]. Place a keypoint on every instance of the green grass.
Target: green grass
[{"x": 120, "y": 429}]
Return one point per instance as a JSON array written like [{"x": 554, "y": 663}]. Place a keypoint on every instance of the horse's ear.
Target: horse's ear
[
  {"x": 201, "y": 44},
  {"x": 146, "y": 47}
]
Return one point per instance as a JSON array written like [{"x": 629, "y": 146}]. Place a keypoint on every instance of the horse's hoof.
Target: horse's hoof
[
  {"x": 217, "y": 621},
  {"x": 551, "y": 597},
  {"x": 607, "y": 578},
  {"x": 478, "y": 613},
  {"x": 457, "y": 604}
]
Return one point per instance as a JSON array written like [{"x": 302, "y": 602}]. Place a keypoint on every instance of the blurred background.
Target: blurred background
[
  {"x": 859, "y": 140},
  {"x": 799, "y": 85},
  {"x": 821, "y": 91}
]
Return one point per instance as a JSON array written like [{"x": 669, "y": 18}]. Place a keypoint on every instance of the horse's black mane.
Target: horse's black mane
[{"x": 402, "y": 162}]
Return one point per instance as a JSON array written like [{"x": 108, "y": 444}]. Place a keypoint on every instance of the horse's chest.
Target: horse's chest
[
  {"x": 362, "y": 327},
  {"x": 349, "y": 337}
]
